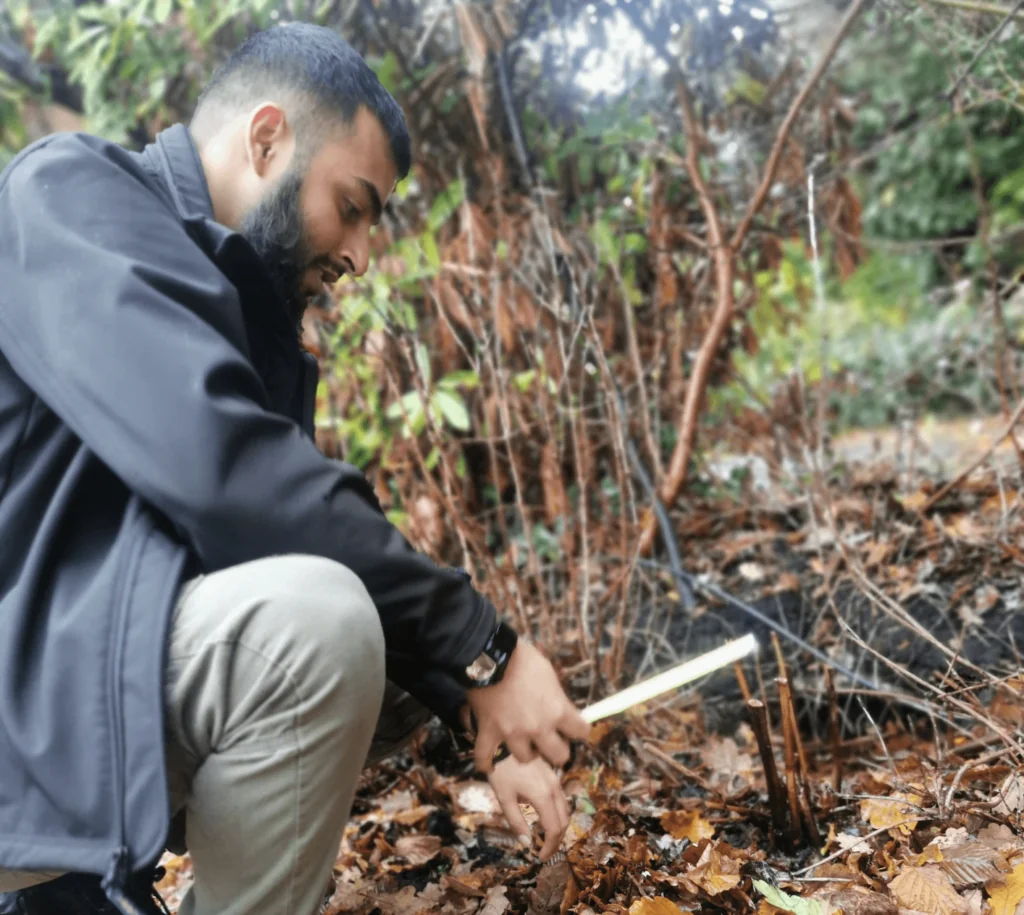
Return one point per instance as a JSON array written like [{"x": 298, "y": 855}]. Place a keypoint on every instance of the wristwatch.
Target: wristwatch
[{"x": 489, "y": 666}]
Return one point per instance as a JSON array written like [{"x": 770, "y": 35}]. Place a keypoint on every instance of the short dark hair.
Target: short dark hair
[{"x": 313, "y": 64}]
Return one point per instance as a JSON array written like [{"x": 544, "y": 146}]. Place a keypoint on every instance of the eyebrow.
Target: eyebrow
[{"x": 371, "y": 190}]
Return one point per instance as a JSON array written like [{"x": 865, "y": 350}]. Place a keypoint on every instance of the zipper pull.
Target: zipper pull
[{"x": 115, "y": 882}]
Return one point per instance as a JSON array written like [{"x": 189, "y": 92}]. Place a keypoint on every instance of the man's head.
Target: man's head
[{"x": 301, "y": 146}]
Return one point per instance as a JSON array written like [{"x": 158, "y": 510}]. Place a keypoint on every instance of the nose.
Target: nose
[{"x": 355, "y": 252}]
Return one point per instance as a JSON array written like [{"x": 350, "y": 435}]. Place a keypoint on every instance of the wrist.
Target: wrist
[{"x": 488, "y": 668}]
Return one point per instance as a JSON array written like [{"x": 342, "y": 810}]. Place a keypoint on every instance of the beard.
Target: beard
[{"x": 275, "y": 230}]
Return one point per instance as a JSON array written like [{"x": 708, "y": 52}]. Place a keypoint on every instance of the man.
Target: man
[{"x": 198, "y": 610}]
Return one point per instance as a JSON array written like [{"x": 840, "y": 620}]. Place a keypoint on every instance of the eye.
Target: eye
[{"x": 352, "y": 212}]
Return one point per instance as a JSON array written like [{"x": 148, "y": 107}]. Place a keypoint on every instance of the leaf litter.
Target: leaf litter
[{"x": 671, "y": 813}]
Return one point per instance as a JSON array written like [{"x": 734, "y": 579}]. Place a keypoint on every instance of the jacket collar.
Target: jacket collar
[
  {"x": 273, "y": 342},
  {"x": 177, "y": 157}
]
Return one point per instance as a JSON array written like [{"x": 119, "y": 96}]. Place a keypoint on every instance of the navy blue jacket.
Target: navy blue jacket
[{"x": 156, "y": 417}]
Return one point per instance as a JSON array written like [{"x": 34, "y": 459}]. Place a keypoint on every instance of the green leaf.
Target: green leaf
[
  {"x": 162, "y": 10},
  {"x": 523, "y": 380},
  {"x": 447, "y": 202},
  {"x": 465, "y": 378},
  {"x": 635, "y": 243},
  {"x": 430, "y": 250},
  {"x": 47, "y": 32},
  {"x": 798, "y": 905},
  {"x": 453, "y": 408},
  {"x": 83, "y": 39},
  {"x": 423, "y": 362},
  {"x": 604, "y": 238}
]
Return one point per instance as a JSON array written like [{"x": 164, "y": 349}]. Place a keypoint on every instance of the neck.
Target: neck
[{"x": 219, "y": 172}]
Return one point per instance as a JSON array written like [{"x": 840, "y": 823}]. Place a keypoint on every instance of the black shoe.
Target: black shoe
[{"x": 81, "y": 894}]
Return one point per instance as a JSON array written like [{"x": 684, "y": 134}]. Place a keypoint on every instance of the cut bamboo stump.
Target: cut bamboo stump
[{"x": 758, "y": 715}]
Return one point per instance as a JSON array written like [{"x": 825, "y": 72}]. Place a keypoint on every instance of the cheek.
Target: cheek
[{"x": 321, "y": 225}]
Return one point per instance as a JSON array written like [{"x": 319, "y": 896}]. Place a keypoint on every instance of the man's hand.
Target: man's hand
[
  {"x": 537, "y": 784},
  {"x": 527, "y": 711}
]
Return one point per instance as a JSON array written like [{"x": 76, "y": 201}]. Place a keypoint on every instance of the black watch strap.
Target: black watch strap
[{"x": 489, "y": 667}]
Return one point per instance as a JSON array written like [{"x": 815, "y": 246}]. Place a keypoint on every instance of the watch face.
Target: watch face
[{"x": 482, "y": 668}]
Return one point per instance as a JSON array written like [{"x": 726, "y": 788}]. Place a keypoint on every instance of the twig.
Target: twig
[
  {"x": 724, "y": 261},
  {"x": 833, "y": 730},
  {"x": 788, "y": 708},
  {"x": 782, "y": 136},
  {"x": 962, "y": 771},
  {"x": 985, "y": 46},
  {"x": 512, "y": 116},
  {"x": 805, "y": 782},
  {"x": 843, "y": 851},
  {"x": 758, "y": 716},
  {"x": 669, "y": 761},
  {"x": 629, "y": 320},
  {"x": 778, "y": 657},
  {"x": 684, "y": 584},
  {"x": 819, "y": 295},
  {"x": 786, "y": 700},
  {"x": 971, "y": 6},
  {"x": 967, "y": 471},
  {"x": 724, "y": 256},
  {"x": 741, "y": 678},
  {"x": 878, "y": 731}
]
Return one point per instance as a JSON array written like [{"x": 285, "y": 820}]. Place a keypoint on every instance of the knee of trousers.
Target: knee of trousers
[{"x": 330, "y": 634}]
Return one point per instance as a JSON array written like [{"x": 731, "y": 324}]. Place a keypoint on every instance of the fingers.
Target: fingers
[
  {"x": 554, "y": 818},
  {"x": 553, "y": 748},
  {"x": 487, "y": 742},
  {"x": 574, "y": 725},
  {"x": 509, "y": 803},
  {"x": 562, "y": 803},
  {"x": 521, "y": 748}
]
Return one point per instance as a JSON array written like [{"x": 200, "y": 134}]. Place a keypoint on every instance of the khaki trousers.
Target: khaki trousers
[{"x": 275, "y": 687}]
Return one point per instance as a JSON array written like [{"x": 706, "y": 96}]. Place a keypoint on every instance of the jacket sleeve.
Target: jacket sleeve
[{"x": 113, "y": 315}]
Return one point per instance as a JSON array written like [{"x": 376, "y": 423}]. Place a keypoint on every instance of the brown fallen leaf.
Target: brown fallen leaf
[
  {"x": 1005, "y": 898},
  {"x": 1000, "y": 837},
  {"x": 348, "y": 898},
  {"x": 406, "y": 901},
  {"x": 895, "y": 813},
  {"x": 926, "y": 889},
  {"x": 656, "y": 905},
  {"x": 551, "y": 884},
  {"x": 972, "y": 862},
  {"x": 730, "y": 768},
  {"x": 856, "y": 901},
  {"x": 496, "y": 902},
  {"x": 713, "y": 873},
  {"x": 687, "y": 824},
  {"x": 414, "y": 816},
  {"x": 461, "y": 887},
  {"x": 975, "y": 902},
  {"x": 1011, "y": 795},
  {"x": 418, "y": 850},
  {"x": 951, "y": 838}
]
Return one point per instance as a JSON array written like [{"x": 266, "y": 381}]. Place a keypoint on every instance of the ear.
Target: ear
[{"x": 269, "y": 139}]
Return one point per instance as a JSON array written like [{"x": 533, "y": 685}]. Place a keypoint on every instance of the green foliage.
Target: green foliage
[
  {"x": 375, "y": 306},
  {"x": 12, "y": 128},
  {"x": 444, "y": 403},
  {"x": 137, "y": 59},
  {"x": 921, "y": 184},
  {"x": 890, "y": 346}
]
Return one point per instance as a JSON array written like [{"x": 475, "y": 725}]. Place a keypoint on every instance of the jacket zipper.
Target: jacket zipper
[{"x": 115, "y": 881}]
